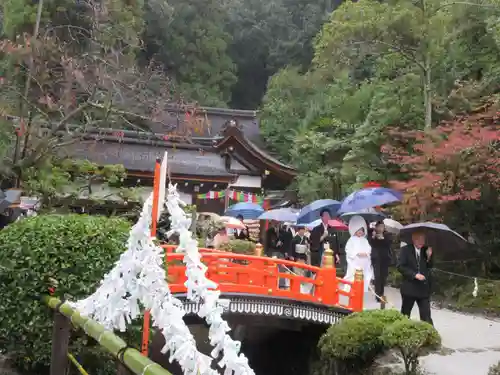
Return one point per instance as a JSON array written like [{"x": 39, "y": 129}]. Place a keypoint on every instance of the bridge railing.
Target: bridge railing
[
  {"x": 129, "y": 360},
  {"x": 258, "y": 275}
]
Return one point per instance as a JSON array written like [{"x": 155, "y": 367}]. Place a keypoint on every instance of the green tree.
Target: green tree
[
  {"x": 192, "y": 46},
  {"x": 407, "y": 39},
  {"x": 55, "y": 88},
  {"x": 370, "y": 73},
  {"x": 268, "y": 36}
]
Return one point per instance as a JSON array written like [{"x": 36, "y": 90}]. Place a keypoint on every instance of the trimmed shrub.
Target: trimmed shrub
[
  {"x": 385, "y": 316},
  {"x": 239, "y": 247},
  {"x": 495, "y": 369},
  {"x": 352, "y": 344},
  {"x": 74, "y": 250},
  {"x": 411, "y": 338}
]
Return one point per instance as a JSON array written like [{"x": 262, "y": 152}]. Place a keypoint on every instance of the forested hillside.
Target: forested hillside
[
  {"x": 220, "y": 53},
  {"x": 329, "y": 77}
]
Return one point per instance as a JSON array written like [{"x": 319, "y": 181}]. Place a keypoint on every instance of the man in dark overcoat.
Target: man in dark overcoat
[{"x": 415, "y": 264}]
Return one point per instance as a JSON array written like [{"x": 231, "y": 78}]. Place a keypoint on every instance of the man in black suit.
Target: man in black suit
[
  {"x": 320, "y": 235},
  {"x": 415, "y": 264}
]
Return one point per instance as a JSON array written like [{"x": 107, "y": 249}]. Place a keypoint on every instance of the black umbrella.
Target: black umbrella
[
  {"x": 8, "y": 197},
  {"x": 438, "y": 236}
]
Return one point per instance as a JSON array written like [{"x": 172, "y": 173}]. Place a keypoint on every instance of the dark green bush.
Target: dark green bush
[
  {"x": 394, "y": 279},
  {"x": 352, "y": 344},
  {"x": 74, "y": 250},
  {"x": 411, "y": 338},
  {"x": 461, "y": 298},
  {"x": 495, "y": 369}
]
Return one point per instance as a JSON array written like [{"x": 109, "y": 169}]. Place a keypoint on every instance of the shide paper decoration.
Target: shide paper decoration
[
  {"x": 201, "y": 289},
  {"x": 139, "y": 276}
]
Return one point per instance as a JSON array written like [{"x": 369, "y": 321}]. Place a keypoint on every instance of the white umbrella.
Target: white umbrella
[
  {"x": 210, "y": 215},
  {"x": 393, "y": 226},
  {"x": 231, "y": 222}
]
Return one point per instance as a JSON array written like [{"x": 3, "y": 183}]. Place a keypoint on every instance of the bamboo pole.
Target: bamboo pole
[{"x": 132, "y": 359}]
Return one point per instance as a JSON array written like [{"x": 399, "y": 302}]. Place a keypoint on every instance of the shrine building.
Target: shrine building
[{"x": 215, "y": 156}]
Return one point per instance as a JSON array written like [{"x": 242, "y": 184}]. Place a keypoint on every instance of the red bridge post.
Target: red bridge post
[
  {"x": 357, "y": 291},
  {"x": 328, "y": 293}
]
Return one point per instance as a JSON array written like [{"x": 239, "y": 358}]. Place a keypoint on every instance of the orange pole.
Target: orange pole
[
  {"x": 265, "y": 206},
  {"x": 156, "y": 194},
  {"x": 147, "y": 314}
]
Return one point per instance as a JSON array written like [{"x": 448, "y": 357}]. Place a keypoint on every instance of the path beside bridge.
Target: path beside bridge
[{"x": 471, "y": 344}]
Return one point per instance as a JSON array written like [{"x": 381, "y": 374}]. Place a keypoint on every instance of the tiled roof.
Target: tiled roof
[{"x": 140, "y": 157}]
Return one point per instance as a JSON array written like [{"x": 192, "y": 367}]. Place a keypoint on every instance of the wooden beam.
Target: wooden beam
[{"x": 60, "y": 343}]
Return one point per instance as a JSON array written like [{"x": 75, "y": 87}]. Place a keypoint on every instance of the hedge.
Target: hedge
[{"x": 74, "y": 250}]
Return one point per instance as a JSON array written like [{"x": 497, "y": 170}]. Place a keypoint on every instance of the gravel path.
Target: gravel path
[{"x": 471, "y": 344}]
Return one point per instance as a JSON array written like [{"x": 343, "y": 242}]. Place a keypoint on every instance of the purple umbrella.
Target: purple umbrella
[{"x": 368, "y": 198}]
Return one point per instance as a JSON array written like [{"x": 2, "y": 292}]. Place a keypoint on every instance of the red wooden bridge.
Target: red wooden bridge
[{"x": 261, "y": 276}]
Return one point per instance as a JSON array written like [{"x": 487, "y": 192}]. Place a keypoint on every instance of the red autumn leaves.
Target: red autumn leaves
[{"x": 447, "y": 163}]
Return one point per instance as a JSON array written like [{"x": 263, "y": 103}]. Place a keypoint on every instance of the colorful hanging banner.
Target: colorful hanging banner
[
  {"x": 212, "y": 195},
  {"x": 241, "y": 196},
  {"x": 238, "y": 196}
]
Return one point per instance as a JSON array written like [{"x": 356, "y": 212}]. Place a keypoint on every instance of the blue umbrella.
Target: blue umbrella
[
  {"x": 247, "y": 210},
  {"x": 369, "y": 214},
  {"x": 281, "y": 214},
  {"x": 311, "y": 212},
  {"x": 368, "y": 198}
]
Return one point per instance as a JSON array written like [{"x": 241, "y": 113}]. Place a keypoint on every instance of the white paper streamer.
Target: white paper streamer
[
  {"x": 202, "y": 290},
  {"x": 139, "y": 276}
]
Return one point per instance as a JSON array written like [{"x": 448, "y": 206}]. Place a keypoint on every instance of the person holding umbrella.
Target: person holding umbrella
[
  {"x": 415, "y": 264},
  {"x": 320, "y": 235},
  {"x": 242, "y": 234},
  {"x": 273, "y": 245}
]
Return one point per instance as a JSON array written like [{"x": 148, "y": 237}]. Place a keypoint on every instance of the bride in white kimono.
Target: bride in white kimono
[{"x": 358, "y": 252}]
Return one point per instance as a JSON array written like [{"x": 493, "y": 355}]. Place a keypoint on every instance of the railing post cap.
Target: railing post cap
[
  {"x": 358, "y": 275},
  {"x": 328, "y": 261}
]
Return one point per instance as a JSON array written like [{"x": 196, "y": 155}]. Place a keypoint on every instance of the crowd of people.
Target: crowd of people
[{"x": 368, "y": 248}]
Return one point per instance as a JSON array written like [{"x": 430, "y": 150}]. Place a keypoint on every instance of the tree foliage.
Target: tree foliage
[
  {"x": 191, "y": 45},
  {"x": 67, "y": 81},
  {"x": 456, "y": 161},
  {"x": 371, "y": 72}
]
